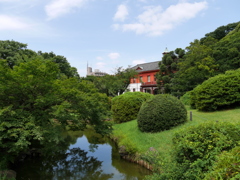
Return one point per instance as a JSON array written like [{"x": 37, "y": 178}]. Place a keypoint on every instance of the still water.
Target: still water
[{"x": 88, "y": 156}]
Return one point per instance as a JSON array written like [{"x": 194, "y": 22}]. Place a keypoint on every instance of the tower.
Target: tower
[{"x": 166, "y": 51}]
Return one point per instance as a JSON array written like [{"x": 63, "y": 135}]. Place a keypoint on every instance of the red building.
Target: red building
[{"x": 145, "y": 81}]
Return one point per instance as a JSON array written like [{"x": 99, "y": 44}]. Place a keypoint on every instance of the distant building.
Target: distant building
[
  {"x": 96, "y": 72},
  {"x": 145, "y": 81}
]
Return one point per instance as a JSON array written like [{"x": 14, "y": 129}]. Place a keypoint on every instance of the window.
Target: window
[
  {"x": 148, "y": 79},
  {"x": 141, "y": 80},
  {"x": 134, "y": 90},
  {"x": 134, "y": 80}
]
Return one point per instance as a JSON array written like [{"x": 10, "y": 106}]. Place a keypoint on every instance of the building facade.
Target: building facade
[
  {"x": 96, "y": 72},
  {"x": 145, "y": 81}
]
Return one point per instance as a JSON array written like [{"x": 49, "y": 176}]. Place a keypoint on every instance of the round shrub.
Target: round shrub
[
  {"x": 197, "y": 147},
  {"x": 126, "y": 106},
  {"x": 161, "y": 113},
  {"x": 217, "y": 92}
]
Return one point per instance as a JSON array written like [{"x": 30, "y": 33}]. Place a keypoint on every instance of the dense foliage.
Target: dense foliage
[
  {"x": 167, "y": 67},
  {"x": 15, "y": 53},
  {"x": 213, "y": 54},
  {"x": 38, "y": 100},
  {"x": 126, "y": 106},
  {"x": 207, "y": 151},
  {"x": 227, "y": 165},
  {"x": 196, "y": 148},
  {"x": 161, "y": 113},
  {"x": 217, "y": 92}
]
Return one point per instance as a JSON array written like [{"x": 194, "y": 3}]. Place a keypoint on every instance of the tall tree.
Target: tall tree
[
  {"x": 167, "y": 67},
  {"x": 62, "y": 62},
  {"x": 221, "y": 31},
  {"x": 15, "y": 52},
  {"x": 197, "y": 66},
  {"x": 37, "y": 101}
]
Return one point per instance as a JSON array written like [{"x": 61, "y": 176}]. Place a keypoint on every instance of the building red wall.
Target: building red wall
[{"x": 144, "y": 76}]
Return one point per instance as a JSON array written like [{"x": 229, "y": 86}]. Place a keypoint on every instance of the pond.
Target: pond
[{"x": 88, "y": 156}]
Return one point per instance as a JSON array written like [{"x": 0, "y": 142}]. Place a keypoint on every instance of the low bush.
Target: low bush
[
  {"x": 161, "y": 113},
  {"x": 227, "y": 166},
  {"x": 197, "y": 147},
  {"x": 126, "y": 106},
  {"x": 217, "y": 92}
]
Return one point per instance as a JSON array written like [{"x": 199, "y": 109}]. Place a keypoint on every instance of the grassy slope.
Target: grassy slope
[{"x": 163, "y": 141}]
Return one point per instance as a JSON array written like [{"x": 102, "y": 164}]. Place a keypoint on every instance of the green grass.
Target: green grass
[{"x": 162, "y": 141}]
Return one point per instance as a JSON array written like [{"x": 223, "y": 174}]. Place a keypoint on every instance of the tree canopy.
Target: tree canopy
[
  {"x": 213, "y": 54},
  {"x": 113, "y": 85},
  {"x": 38, "y": 101}
]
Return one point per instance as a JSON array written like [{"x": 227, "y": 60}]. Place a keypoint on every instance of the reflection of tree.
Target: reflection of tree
[
  {"x": 75, "y": 164},
  {"x": 93, "y": 137}
]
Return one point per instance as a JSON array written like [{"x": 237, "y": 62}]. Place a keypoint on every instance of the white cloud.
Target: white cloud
[
  {"x": 61, "y": 7},
  {"x": 122, "y": 13},
  {"x": 154, "y": 21},
  {"x": 99, "y": 58},
  {"x": 113, "y": 55},
  {"x": 140, "y": 61},
  {"x": 12, "y": 23}
]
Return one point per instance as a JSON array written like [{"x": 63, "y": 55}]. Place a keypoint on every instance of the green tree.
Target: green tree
[
  {"x": 227, "y": 51},
  {"x": 113, "y": 85},
  {"x": 37, "y": 101},
  {"x": 168, "y": 66},
  {"x": 221, "y": 31},
  {"x": 15, "y": 52},
  {"x": 197, "y": 66},
  {"x": 62, "y": 62}
]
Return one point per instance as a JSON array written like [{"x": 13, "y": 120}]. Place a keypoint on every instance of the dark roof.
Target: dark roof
[{"x": 146, "y": 66}]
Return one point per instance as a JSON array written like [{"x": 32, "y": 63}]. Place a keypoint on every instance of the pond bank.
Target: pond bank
[{"x": 134, "y": 158}]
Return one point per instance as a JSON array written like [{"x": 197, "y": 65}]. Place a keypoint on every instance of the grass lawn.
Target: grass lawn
[{"x": 162, "y": 141}]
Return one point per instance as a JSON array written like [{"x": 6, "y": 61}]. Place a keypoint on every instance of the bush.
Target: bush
[
  {"x": 227, "y": 166},
  {"x": 126, "y": 106},
  {"x": 185, "y": 99},
  {"x": 197, "y": 147},
  {"x": 217, "y": 92},
  {"x": 161, "y": 113}
]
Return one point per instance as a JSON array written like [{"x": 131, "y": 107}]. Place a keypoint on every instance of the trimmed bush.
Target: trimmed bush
[
  {"x": 126, "y": 106},
  {"x": 227, "y": 166},
  {"x": 217, "y": 92},
  {"x": 161, "y": 113},
  {"x": 197, "y": 147}
]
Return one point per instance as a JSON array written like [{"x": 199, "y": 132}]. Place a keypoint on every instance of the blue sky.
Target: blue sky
[{"x": 108, "y": 34}]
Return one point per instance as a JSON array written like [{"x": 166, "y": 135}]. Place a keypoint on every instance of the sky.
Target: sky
[{"x": 108, "y": 34}]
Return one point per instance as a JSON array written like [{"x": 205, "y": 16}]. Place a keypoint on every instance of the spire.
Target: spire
[{"x": 166, "y": 51}]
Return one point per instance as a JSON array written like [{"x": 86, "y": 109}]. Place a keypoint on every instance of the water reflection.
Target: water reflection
[{"x": 81, "y": 160}]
